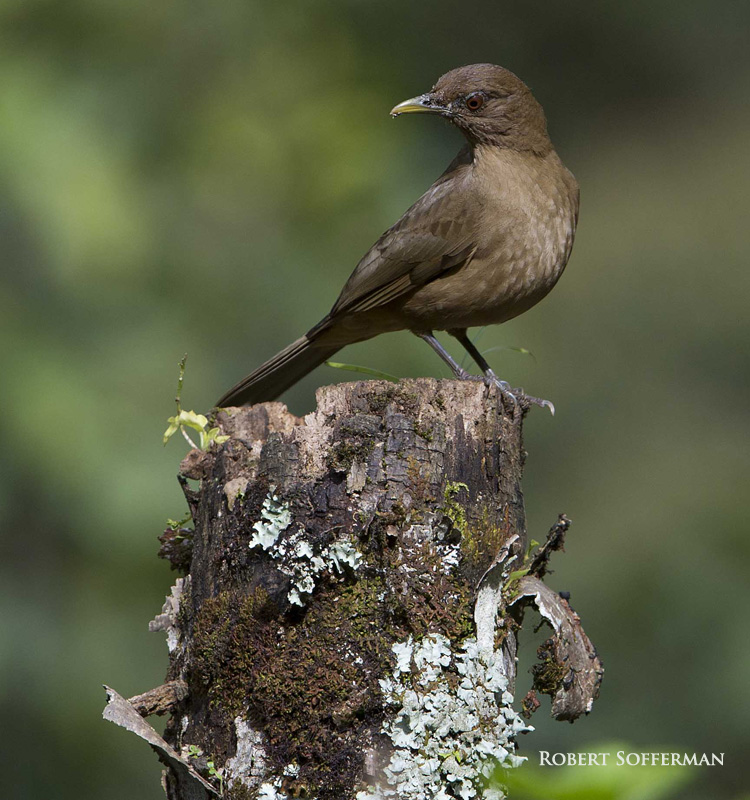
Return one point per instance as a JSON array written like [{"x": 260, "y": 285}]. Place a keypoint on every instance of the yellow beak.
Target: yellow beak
[{"x": 424, "y": 104}]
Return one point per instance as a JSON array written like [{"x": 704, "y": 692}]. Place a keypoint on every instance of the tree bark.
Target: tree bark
[{"x": 357, "y": 577}]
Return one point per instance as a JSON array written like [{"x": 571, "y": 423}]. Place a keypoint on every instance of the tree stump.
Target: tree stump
[{"x": 347, "y": 628}]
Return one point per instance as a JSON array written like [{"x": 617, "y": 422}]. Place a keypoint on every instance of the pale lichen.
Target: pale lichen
[
  {"x": 453, "y": 722},
  {"x": 294, "y": 555},
  {"x": 304, "y": 566},
  {"x": 276, "y": 517}
]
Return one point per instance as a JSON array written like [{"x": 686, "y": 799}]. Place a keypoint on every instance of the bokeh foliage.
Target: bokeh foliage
[{"x": 197, "y": 177}]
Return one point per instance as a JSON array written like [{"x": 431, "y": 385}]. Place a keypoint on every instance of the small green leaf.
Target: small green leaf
[
  {"x": 190, "y": 419},
  {"x": 522, "y": 350},
  {"x": 532, "y": 544},
  {"x": 176, "y": 524},
  {"x": 519, "y": 573},
  {"x": 363, "y": 370},
  {"x": 211, "y": 436},
  {"x": 171, "y": 430},
  {"x": 197, "y": 422}
]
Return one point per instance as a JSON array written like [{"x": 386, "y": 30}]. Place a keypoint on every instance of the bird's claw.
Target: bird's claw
[{"x": 537, "y": 401}]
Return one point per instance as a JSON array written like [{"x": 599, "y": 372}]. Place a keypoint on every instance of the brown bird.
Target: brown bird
[{"x": 487, "y": 241}]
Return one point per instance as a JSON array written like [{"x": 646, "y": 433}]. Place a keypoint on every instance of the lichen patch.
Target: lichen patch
[{"x": 454, "y": 721}]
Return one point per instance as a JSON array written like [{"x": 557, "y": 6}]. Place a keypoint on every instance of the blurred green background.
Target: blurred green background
[{"x": 197, "y": 177}]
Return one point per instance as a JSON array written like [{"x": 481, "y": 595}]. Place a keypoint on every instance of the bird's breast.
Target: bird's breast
[{"x": 524, "y": 239}]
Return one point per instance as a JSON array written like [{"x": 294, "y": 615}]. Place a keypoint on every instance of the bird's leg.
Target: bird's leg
[
  {"x": 489, "y": 376},
  {"x": 471, "y": 349},
  {"x": 455, "y": 367},
  {"x": 489, "y": 379},
  {"x": 504, "y": 387}
]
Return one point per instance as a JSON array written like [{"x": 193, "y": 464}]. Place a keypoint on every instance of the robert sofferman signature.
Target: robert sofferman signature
[{"x": 625, "y": 759}]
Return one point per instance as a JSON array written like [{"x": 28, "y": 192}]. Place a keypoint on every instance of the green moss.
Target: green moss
[
  {"x": 455, "y": 512},
  {"x": 549, "y": 674},
  {"x": 409, "y": 399},
  {"x": 482, "y": 540},
  {"x": 298, "y": 681},
  {"x": 425, "y": 599},
  {"x": 481, "y": 543},
  {"x": 219, "y": 663},
  {"x": 380, "y": 401},
  {"x": 343, "y": 454},
  {"x": 423, "y": 430},
  {"x": 408, "y": 402}
]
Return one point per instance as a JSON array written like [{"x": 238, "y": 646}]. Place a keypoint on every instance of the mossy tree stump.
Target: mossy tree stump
[{"x": 347, "y": 625}]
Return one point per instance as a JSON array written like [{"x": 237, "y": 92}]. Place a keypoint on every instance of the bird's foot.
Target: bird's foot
[{"x": 517, "y": 396}]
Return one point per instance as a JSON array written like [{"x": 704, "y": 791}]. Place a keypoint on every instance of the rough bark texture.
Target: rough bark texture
[{"x": 339, "y": 560}]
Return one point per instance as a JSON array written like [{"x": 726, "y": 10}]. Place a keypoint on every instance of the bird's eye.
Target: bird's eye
[{"x": 474, "y": 102}]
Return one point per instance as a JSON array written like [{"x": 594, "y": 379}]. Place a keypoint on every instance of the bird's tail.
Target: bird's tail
[{"x": 279, "y": 373}]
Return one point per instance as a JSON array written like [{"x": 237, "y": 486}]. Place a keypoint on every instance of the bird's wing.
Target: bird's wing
[{"x": 435, "y": 235}]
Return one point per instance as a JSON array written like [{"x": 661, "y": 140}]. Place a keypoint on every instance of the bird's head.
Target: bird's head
[{"x": 489, "y": 104}]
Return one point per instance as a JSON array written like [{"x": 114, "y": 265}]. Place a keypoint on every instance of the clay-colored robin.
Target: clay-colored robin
[{"x": 487, "y": 241}]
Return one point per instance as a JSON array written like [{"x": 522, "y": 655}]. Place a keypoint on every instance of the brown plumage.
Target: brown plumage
[{"x": 487, "y": 241}]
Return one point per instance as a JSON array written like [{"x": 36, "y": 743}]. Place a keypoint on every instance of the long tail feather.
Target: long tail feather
[{"x": 278, "y": 373}]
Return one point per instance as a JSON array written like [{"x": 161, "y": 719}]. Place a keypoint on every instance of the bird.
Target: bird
[{"x": 486, "y": 242}]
